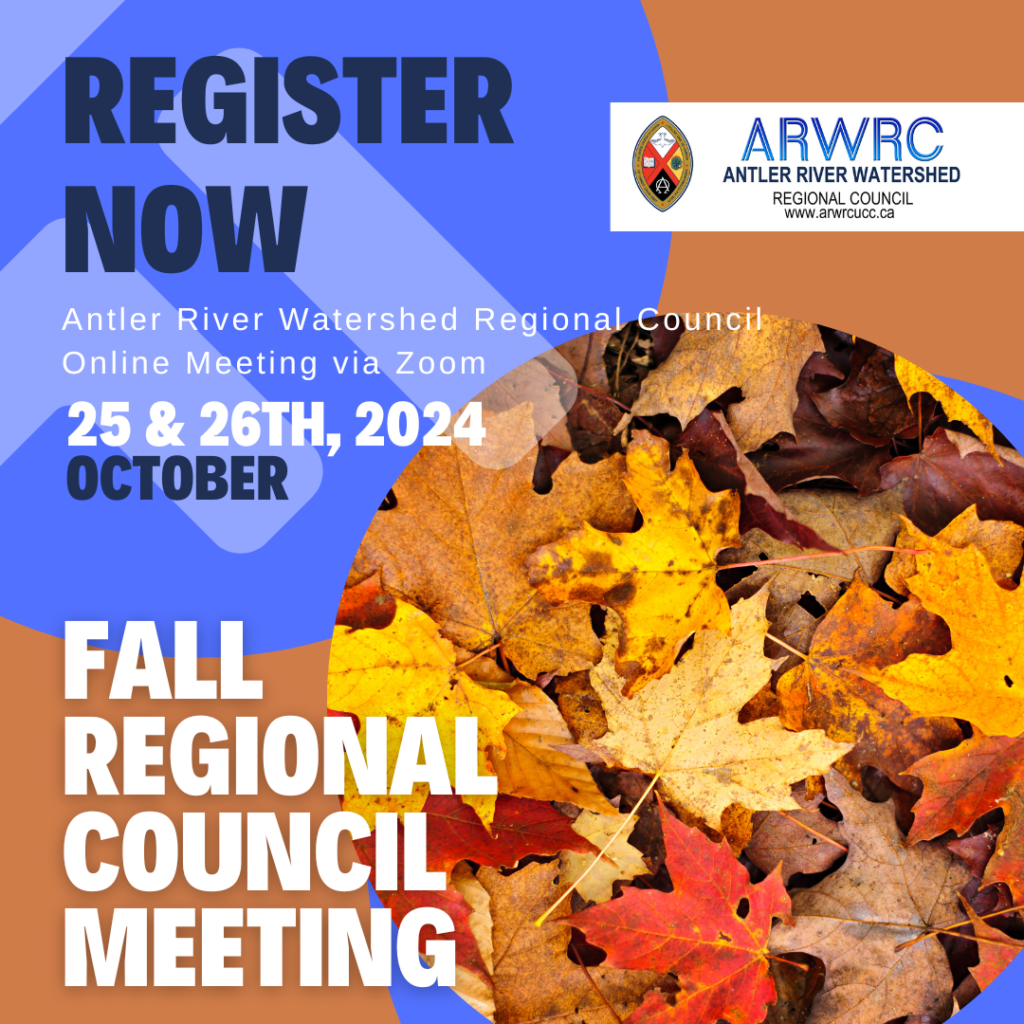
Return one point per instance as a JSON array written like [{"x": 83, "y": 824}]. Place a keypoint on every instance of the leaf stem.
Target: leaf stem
[
  {"x": 792, "y": 963},
  {"x": 832, "y": 576},
  {"x": 948, "y": 930},
  {"x": 814, "y": 831},
  {"x": 593, "y": 984},
  {"x": 823, "y": 554},
  {"x": 782, "y": 643},
  {"x": 469, "y": 661},
  {"x": 629, "y": 817}
]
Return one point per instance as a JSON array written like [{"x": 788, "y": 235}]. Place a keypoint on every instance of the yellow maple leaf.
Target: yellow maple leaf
[
  {"x": 661, "y": 579},
  {"x": 982, "y": 678},
  {"x": 685, "y": 726},
  {"x": 914, "y": 380},
  {"x": 409, "y": 670}
]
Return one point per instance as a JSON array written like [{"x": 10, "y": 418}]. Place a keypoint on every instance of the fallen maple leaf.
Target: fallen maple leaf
[
  {"x": 953, "y": 472},
  {"x": 404, "y": 670},
  {"x": 764, "y": 363},
  {"x": 962, "y": 784},
  {"x": 999, "y": 542},
  {"x": 532, "y": 766},
  {"x": 885, "y": 894},
  {"x": 915, "y": 380},
  {"x": 619, "y": 862},
  {"x": 975, "y": 680},
  {"x": 832, "y": 688},
  {"x": 520, "y": 828},
  {"x": 455, "y": 543},
  {"x": 534, "y": 980},
  {"x": 684, "y": 727},
  {"x": 696, "y": 931},
  {"x": 661, "y": 579}
]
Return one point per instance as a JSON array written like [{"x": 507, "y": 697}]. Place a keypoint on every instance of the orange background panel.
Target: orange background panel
[{"x": 37, "y": 813}]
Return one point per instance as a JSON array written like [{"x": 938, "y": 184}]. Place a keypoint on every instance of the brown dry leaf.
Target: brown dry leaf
[
  {"x": 764, "y": 704},
  {"x": 781, "y": 839},
  {"x": 832, "y": 690},
  {"x": 534, "y": 980},
  {"x": 509, "y": 434},
  {"x": 455, "y": 543},
  {"x": 532, "y": 766},
  {"x": 620, "y": 861},
  {"x": 819, "y": 450},
  {"x": 661, "y": 579},
  {"x": 1000, "y": 543},
  {"x": 979, "y": 678},
  {"x": 585, "y": 355},
  {"x": 685, "y": 725},
  {"x": 884, "y": 895},
  {"x": 765, "y": 364},
  {"x": 914, "y": 380}
]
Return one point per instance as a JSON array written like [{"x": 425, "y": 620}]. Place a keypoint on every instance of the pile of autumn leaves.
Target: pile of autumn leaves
[{"x": 832, "y": 741}]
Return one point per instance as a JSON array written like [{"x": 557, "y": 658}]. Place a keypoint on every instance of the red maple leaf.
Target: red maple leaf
[{"x": 711, "y": 931}]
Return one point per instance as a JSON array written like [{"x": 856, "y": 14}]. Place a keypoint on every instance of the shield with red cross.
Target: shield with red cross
[{"x": 662, "y": 163}]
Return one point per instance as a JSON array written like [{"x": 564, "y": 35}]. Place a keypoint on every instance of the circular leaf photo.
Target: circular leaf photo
[{"x": 698, "y": 650}]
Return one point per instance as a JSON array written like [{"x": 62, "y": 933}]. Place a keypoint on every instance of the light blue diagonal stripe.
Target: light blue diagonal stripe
[{"x": 36, "y": 38}]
